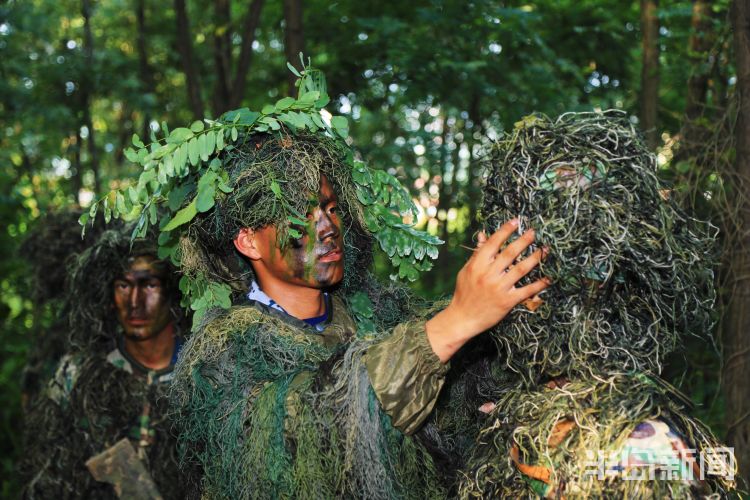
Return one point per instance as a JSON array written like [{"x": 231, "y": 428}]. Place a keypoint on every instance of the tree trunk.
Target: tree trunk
[
  {"x": 252, "y": 19},
  {"x": 185, "y": 48},
  {"x": 86, "y": 89},
  {"x": 222, "y": 56},
  {"x": 293, "y": 39},
  {"x": 700, "y": 43},
  {"x": 736, "y": 324},
  {"x": 650, "y": 72},
  {"x": 694, "y": 133},
  {"x": 144, "y": 69}
]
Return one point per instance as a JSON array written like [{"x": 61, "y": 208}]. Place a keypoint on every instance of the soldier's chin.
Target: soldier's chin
[{"x": 332, "y": 278}]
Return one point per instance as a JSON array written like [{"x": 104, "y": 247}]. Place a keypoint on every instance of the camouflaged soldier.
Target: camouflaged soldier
[
  {"x": 100, "y": 430},
  {"x": 285, "y": 394}
]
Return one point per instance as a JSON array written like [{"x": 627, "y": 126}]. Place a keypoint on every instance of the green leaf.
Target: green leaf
[
  {"x": 203, "y": 147},
  {"x": 341, "y": 126},
  {"x": 296, "y": 220},
  {"x": 193, "y": 151},
  {"x": 177, "y": 196},
  {"x": 234, "y": 134},
  {"x": 152, "y": 215},
  {"x": 206, "y": 191},
  {"x": 308, "y": 98},
  {"x": 220, "y": 140},
  {"x": 133, "y": 195},
  {"x": 242, "y": 116},
  {"x": 184, "y": 216},
  {"x": 197, "y": 126},
  {"x": 276, "y": 189},
  {"x": 182, "y": 160},
  {"x": 83, "y": 219},
  {"x": 210, "y": 143},
  {"x": 284, "y": 104},
  {"x": 120, "y": 203},
  {"x": 365, "y": 196},
  {"x": 137, "y": 141},
  {"x": 268, "y": 109},
  {"x": 293, "y": 70},
  {"x": 361, "y": 305},
  {"x": 181, "y": 134},
  {"x": 131, "y": 155}
]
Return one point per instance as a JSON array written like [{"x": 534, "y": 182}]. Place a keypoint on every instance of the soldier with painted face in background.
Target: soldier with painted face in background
[{"x": 100, "y": 430}]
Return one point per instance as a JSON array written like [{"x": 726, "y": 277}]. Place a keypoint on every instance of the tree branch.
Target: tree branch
[{"x": 252, "y": 20}]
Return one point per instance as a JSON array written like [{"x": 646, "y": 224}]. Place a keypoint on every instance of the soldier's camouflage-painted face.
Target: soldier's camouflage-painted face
[
  {"x": 317, "y": 258},
  {"x": 141, "y": 299}
]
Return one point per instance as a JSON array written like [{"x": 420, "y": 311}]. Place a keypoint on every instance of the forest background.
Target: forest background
[{"x": 425, "y": 84}]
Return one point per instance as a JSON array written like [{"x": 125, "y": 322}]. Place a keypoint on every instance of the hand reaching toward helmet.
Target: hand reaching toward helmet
[{"x": 486, "y": 290}]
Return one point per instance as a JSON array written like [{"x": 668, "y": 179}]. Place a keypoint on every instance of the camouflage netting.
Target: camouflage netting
[
  {"x": 601, "y": 414},
  {"x": 631, "y": 271},
  {"x": 238, "y": 376},
  {"x": 50, "y": 249},
  {"x": 93, "y": 319},
  {"x": 295, "y": 164}
]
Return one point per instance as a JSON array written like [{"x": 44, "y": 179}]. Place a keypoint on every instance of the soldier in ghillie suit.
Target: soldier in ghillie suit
[
  {"x": 589, "y": 416},
  {"x": 306, "y": 377},
  {"x": 101, "y": 429},
  {"x": 49, "y": 266},
  {"x": 284, "y": 394}
]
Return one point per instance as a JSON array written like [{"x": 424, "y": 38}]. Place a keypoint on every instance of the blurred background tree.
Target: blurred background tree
[{"x": 426, "y": 84}]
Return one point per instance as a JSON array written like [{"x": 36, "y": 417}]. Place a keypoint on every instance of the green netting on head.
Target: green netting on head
[
  {"x": 93, "y": 319},
  {"x": 598, "y": 415},
  {"x": 631, "y": 272}
]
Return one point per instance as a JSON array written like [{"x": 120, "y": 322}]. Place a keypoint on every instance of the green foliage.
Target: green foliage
[{"x": 188, "y": 161}]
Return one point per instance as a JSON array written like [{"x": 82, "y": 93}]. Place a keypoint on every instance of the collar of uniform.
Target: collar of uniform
[
  {"x": 120, "y": 358},
  {"x": 263, "y": 302}
]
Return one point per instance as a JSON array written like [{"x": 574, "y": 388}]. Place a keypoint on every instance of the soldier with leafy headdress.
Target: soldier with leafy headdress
[
  {"x": 589, "y": 415},
  {"x": 304, "y": 376},
  {"x": 101, "y": 428}
]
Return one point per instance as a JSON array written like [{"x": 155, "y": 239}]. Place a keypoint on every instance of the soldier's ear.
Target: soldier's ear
[{"x": 246, "y": 244}]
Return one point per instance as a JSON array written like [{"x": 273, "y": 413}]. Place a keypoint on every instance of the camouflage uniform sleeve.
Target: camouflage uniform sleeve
[{"x": 406, "y": 375}]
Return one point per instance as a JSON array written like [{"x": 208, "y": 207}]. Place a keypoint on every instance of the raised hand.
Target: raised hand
[{"x": 485, "y": 290}]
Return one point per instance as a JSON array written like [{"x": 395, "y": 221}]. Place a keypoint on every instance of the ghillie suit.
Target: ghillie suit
[
  {"x": 631, "y": 273},
  {"x": 99, "y": 394},
  {"x": 50, "y": 250},
  {"x": 269, "y": 406},
  {"x": 591, "y": 439}
]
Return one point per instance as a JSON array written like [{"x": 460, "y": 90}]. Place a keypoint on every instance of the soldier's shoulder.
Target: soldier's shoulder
[{"x": 66, "y": 376}]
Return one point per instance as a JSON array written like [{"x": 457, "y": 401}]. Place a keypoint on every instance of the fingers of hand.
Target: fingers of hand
[
  {"x": 525, "y": 266},
  {"x": 481, "y": 239},
  {"x": 492, "y": 246},
  {"x": 505, "y": 258},
  {"x": 533, "y": 288}
]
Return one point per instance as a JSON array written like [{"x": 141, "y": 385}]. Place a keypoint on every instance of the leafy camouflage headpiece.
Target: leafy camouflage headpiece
[
  {"x": 93, "y": 319},
  {"x": 249, "y": 169},
  {"x": 631, "y": 271}
]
